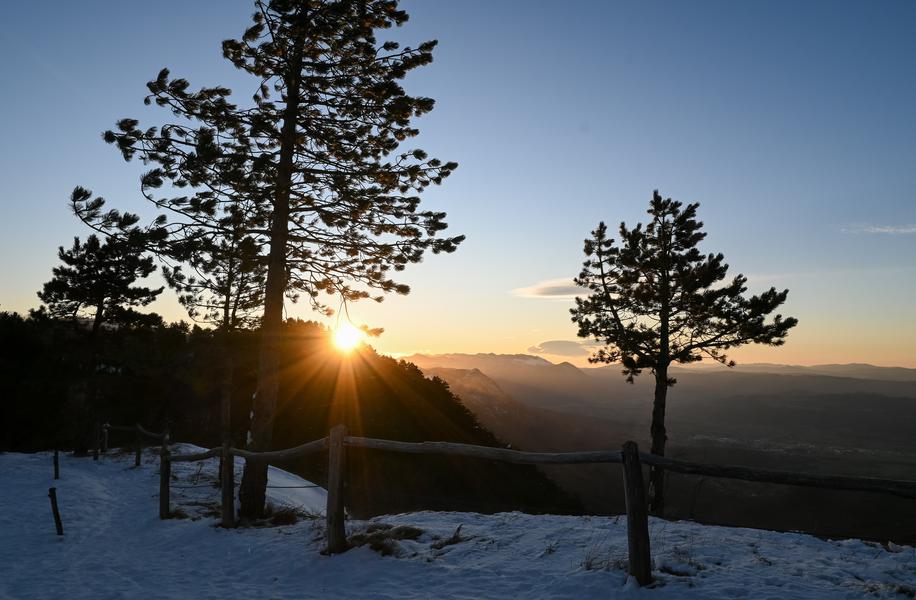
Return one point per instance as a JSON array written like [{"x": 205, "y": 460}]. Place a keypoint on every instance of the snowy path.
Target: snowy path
[{"x": 115, "y": 547}]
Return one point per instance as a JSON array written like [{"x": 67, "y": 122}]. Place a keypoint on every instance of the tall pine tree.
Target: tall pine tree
[
  {"x": 314, "y": 167},
  {"x": 656, "y": 300}
]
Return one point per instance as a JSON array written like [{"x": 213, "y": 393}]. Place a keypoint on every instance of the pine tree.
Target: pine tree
[
  {"x": 316, "y": 176},
  {"x": 225, "y": 287},
  {"x": 656, "y": 300},
  {"x": 98, "y": 278}
]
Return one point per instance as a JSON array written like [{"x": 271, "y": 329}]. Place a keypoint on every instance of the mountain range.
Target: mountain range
[{"x": 855, "y": 420}]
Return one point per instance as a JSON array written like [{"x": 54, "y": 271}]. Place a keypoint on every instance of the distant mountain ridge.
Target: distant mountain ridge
[
  {"x": 458, "y": 360},
  {"x": 854, "y": 420},
  {"x": 850, "y": 370},
  {"x": 532, "y": 380},
  {"x": 525, "y": 426},
  {"x": 603, "y": 391}
]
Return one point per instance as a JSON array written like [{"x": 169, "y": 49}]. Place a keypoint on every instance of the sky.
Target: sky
[{"x": 792, "y": 124}]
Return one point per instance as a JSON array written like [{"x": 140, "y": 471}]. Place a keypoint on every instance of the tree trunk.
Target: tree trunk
[
  {"x": 228, "y": 322},
  {"x": 97, "y": 322},
  {"x": 253, "y": 491},
  {"x": 639, "y": 555},
  {"x": 225, "y": 408},
  {"x": 657, "y": 429},
  {"x": 78, "y": 418},
  {"x": 659, "y": 437}
]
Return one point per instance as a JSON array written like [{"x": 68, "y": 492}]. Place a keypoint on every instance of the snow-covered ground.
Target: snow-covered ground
[{"x": 116, "y": 547}]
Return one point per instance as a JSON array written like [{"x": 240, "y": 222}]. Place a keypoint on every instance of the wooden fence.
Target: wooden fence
[
  {"x": 101, "y": 438},
  {"x": 629, "y": 457}
]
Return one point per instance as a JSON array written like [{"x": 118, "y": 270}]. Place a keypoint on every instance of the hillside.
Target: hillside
[
  {"x": 781, "y": 409},
  {"x": 377, "y": 396},
  {"x": 525, "y": 426},
  {"x": 172, "y": 376},
  {"x": 115, "y": 547},
  {"x": 767, "y": 416}
]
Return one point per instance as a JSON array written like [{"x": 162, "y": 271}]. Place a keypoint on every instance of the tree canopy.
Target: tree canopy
[
  {"x": 328, "y": 145},
  {"x": 223, "y": 282},
  {"x": 96, "y": 279},
  {"x": 656, "y": 299}
]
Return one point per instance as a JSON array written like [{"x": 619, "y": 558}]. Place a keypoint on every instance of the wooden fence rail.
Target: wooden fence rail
[
  {"x": 906, "y": 489},
  {"x": 281, "y": 455},
  {"x": 630, "y": 458},
  {"x": 485, "y": 452},
  {"x": 137, "y": 428},
  {"x": 212, "y": 453},
  {"x": 139, "y": 433},
  {"x": 149, "y": 434}
]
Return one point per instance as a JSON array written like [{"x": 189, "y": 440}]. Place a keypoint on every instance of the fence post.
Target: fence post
[
  {"x": 640, "y": 560},
  {"x": 139, "y": 449},
  {"x": 97, "y": 434},
  {"x": 52, "y": 494},
  {"x": 225, "y": 403},
  {"x": 227, "y": 481},
  {"x": 165, "y": 474},
  {"x": 337, "y": 535},
  {"x": 105, "y": 438},
  {"x": 56, "y": 464}
]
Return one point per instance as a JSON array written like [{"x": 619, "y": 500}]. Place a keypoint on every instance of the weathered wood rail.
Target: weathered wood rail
[
  {"x": 485, "y": 452},
  {"x": 281, "y": 455},
  {"x": 139, "y": 434},
  {"x": 906, "y": 489},
  {"x": 629, "y": 457},
  {"x": 199, "y": 456}
]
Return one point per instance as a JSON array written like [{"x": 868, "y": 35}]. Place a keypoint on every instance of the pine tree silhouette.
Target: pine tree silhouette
[
  {"x": 316, "y": 175},
  {"x": 656, "y": 300},
  {"x": 98, "y": 277}
]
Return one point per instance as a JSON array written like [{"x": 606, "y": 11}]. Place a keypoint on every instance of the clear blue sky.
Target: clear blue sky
[{"x": 792, "y": 123}]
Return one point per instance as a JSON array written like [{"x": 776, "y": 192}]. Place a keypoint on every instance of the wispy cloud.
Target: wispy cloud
[
  {"x": 562, "y": 348},
  {"x": 882, "y": 229},
  {"x": 562, "y": 288}
]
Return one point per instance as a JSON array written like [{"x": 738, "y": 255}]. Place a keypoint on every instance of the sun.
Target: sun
[{"x": 347, "y": 337}]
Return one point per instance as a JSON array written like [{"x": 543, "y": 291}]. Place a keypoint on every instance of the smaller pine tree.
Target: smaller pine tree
[
  {"x": 96, "y": 279},
  {"x": 656, "y": 300},
  {"x": 223, "y": 283}
]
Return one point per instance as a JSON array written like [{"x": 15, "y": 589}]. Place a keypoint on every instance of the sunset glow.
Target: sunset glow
[
  {"x": 402, "y": 281},
  {"x": 347, "y": 337}
]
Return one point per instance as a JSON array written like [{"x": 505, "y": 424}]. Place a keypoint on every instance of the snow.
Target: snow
[
  {"x": 116, "y": 547},
  {"x": 284, "y": 489}
]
